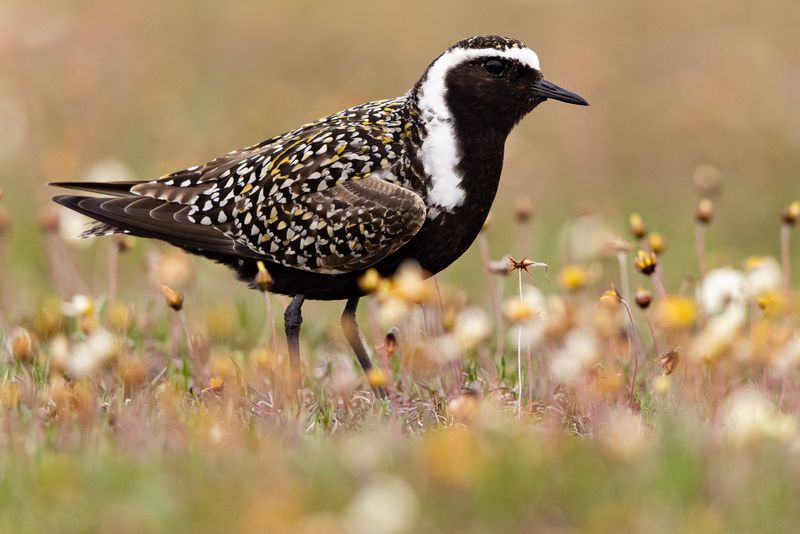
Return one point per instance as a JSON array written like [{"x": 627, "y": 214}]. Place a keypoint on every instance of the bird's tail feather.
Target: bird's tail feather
[{"x": 114, "y": 189}]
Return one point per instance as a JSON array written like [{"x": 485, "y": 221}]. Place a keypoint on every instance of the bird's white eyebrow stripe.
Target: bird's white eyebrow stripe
[{"x": 440, "y": 151}]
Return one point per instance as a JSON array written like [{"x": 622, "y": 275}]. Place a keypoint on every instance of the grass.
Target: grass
[{"x": 159, "y": 413}]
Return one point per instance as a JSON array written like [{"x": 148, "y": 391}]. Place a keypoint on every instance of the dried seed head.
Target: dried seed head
[
  {"x": 792, "y": 213},
  {"x": 573, "y": 277},
  {"x": 174, "y": 298},
  {"x": 500, "y": 267},
  {"x": 370, "y": 281},
  {"x": 656, "y": 242},
  {"x": 525, "y": 264},
  {"x": 645, "y": 262},
  {"x": 376, "y": 377},
  {"x": 705, "y": 211},
  {"x": 119, "y": 316},
  {"x": 637, "y": 226},
  {"x": 263, "y": 280},
  {"x": 668, "y": 361},
  {"x": 132, "y": 370},
  {"x": 610, "y": 298},
  {"x": 20, "y": 345},
  {"x": 48, "y": 221},
  {"x": 124, "y": 242},
  {"x": 643, "y": 298},
  {"x": 390, "y": 341},
  {"x": 523, "y": 210}
]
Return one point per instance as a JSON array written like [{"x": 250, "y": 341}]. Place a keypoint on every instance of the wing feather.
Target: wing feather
[{"x": 316, "y": 198}]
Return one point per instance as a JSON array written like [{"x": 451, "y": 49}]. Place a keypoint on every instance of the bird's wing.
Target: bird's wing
[{"x": 312, "y": 199}]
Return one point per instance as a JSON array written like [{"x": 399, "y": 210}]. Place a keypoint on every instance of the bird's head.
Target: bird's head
[{"x": 489, "y": 81}]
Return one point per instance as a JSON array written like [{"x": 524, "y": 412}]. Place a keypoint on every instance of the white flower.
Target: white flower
[
  {"x": 721, "y": 288},
  {"x": 70, "y": 225},
  {"x": 387, "y": 505},
  {"x": 586, "y": 238},
  {"x": 88, "y": 356},
  {"x": 750, "y": 416},
  {"x": 720, "y": 331},
  {"x": 763, "y": 276},
  {"x": 579, "y": 352},
  {"x": 533, "y": 327},
  {"x": 620, "y": 432},
  {"x": 472, "y": 328},
  {"x": 79, "y": 306}
]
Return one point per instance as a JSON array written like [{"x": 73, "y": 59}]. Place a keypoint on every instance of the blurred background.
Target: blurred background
[{"x": 116, "y": 90}]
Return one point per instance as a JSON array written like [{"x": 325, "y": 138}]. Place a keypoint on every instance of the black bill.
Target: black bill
[{"x": 544, "y": 89}]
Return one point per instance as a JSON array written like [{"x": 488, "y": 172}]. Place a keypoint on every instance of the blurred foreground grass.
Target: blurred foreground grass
[{"x": 593, "y": 406}]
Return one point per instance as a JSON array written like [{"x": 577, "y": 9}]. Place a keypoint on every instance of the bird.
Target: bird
[{"x": 410, "y": 178}]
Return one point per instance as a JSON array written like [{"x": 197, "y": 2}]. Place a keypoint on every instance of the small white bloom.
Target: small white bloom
[
  {"x": 70, "y": 225},
  {"x": 750, "y": 416},
  {"x": 472, "y": 328},
  {"x": 720, "y": 332},
  {"x": 89, "y": 355},
  {"x": 579, "y": 352},
  {"x": 387, "y": 505},
  {"x": 763, "y": 276},
  {"x": 720, "y": 288},
  {"x": 79, "y": 306}
]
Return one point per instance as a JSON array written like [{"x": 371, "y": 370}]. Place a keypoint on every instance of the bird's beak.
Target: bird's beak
[{"x": 544, "y": 89}]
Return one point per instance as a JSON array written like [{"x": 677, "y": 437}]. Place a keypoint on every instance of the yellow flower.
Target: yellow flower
[
  {"x": 216, "y": 384},
  {"x": 262, "y": 280},
  {"x": 662, "y": 384},
  {"x": 573, "y": 277},
  {"x": 656, "y": 242},
  {"x": 370, "y": 281},
  {"x": 610, "y": 298},
  {"x": 771, "y": 303},
  {"x": 637, "y": 226},
  {"x": 792, "y": 213},
  {"x": 20, "y": 345},
  {"x": 174, "y": 298},
  {"x": 705, "y": 211},
  {"x": 676, "y": 313},
  {"x": 517, "y": 310},
  {"x": 410, "y": 285},
  {"x": 376, "y": 377},
  {"x": 119, "y": 316},
  {"x": 645, "y": 262}
]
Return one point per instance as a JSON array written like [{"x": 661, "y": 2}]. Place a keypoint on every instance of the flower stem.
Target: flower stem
[{"x": 786, "y": 261}]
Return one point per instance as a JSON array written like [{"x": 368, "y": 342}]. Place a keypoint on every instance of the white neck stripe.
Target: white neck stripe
[{"x": 440, "y": 151}]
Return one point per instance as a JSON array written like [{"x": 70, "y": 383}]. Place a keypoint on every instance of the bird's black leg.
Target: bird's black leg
[
  {"x": 350, "y": 327},
  {"x": 292, "y": 319}
]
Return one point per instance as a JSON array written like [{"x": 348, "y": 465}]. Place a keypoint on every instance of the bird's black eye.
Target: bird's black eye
[{"x": 495, "y": 67}]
